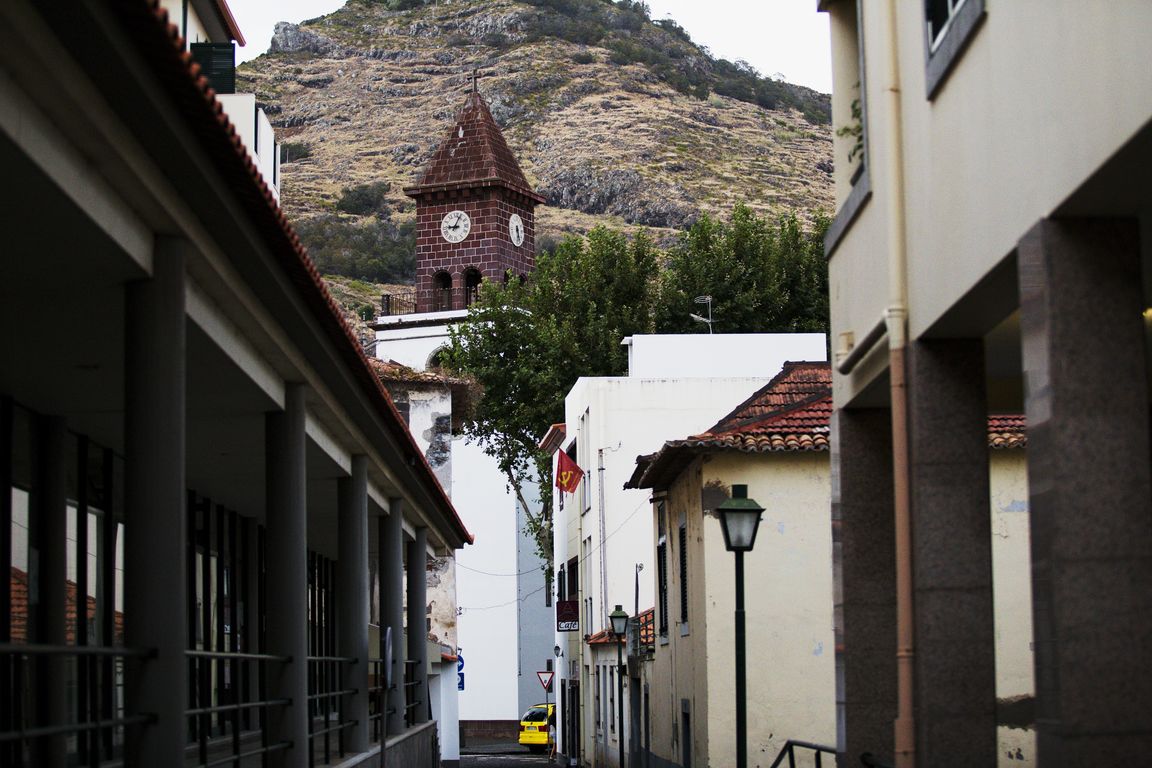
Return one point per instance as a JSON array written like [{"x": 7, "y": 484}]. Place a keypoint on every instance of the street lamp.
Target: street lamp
[
  {"x": 619, "y": 618},
  {"x": 739, "y": 519},
  {"x": 557, "y": 652}
]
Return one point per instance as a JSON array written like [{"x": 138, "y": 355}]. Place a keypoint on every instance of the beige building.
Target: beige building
[
  {"x": 990, "y": 254},
  {"x": 776, "y": 443}
]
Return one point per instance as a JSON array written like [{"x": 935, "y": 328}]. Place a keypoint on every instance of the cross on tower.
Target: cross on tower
[{"x": 475, "y": 76}]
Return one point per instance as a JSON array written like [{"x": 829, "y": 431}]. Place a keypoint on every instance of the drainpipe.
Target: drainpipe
[{"x": 896, "y": 319}]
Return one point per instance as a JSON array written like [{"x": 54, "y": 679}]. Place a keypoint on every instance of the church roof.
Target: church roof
[{"x": 473, "y": 154}]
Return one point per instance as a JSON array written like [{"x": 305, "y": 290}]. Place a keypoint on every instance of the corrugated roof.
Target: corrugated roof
[{"x": 473, "y": 154}]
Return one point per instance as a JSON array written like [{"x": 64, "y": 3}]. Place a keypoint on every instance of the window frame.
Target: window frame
[
  {"x": 861, "y": 184},
  {"x": 942, "y": 54}
]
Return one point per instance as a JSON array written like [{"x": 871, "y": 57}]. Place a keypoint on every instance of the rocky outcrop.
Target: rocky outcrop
[
  {"x": 621, "y": 192},
  {"x": 292, "y": 38}
]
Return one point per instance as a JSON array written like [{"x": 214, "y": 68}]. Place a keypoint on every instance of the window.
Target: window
[
  {"x": 612, "y": 699},
  {"x": 573, "y": 588},
  {"x": 683, "y": 544},
  {"x": 561, "y": 584},
  {"x": 948, "y": 27},
  {"x": 662, "y": 568},
  {"x": 596, "y": 700},
  {"x": 472, "y": 280},
  {"x": 441, "y": 292}
]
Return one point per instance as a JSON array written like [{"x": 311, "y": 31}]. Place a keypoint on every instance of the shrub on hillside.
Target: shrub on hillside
[
  {"x": 368, "y": 249},
  {"x": 365, "y": 199}
]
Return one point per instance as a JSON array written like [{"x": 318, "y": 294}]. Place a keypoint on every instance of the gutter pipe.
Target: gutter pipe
[{"x": 896, "y": 319}]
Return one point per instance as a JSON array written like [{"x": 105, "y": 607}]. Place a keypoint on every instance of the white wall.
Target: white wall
[
  {"x": 256, "y": 132},
  {"x": 486, "y": 587},
  {"x": 442, "y": 691},
  {"x": 195, "y": 33},
  {"x": 721, "y": 354},
  {"x": 628, "y": 417}
]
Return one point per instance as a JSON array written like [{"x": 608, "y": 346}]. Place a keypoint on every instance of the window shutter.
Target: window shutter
[
  {"x": 218, "y": 63},
  {"x": 683, "y": 573}
]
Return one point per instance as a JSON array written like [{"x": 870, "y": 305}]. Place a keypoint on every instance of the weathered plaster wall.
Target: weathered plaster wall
[{"x": 1012, "y": 598}]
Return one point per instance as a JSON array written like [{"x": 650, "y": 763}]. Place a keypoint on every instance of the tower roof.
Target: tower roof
[{"x": 473, "y": 154}]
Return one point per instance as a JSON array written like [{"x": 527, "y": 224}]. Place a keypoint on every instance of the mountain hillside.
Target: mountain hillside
[{"x": 615, "y": 119}]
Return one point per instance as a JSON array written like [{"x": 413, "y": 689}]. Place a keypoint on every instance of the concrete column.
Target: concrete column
[
  {"x": 352, "y": 588},
  {"x": 48, "y": 569},
  {"x": 418, "y": 619},
  {"x": 955, "y": 662},
  {"x": 155, "y": 597},
  {"x": 1090, "y": 490},
  {"x": 864, "y": 550},
  {"x": 392, "y": 608},
  {"x": 286, "y": 559}
]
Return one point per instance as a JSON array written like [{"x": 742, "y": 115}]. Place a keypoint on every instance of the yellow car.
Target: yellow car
[{"x": 534, "y": 727}]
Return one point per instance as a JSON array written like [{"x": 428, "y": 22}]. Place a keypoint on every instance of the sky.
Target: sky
[{"x": 778, "y": 37}]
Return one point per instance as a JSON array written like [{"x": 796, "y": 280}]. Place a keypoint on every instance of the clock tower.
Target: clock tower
[{"x": 474, "y": 213}]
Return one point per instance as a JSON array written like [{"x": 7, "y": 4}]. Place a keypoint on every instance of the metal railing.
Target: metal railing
[
  {"x": 411, "y": 686},
  {"x": 326, "y": 700},
  {"x": 789, "y": 751},
  {"x": 101, "y": 718},
  {"x": 377, "y": 701},
  {"x": 401, "y": 303},
  {"x": 224, "y": 743}
]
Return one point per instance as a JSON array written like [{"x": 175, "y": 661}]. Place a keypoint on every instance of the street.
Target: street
[
  {"x": 501, "y": 756},
  {"x": 512, "y": 760}
]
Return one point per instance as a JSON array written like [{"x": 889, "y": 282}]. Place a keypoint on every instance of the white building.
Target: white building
[
  {"x": 210, "y": 33},
  {"x": 500, "y": 588},
  {"x": 676, "y": 385}
]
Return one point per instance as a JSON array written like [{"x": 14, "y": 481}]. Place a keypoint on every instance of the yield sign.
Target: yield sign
[{"x": 545, "y": 680}]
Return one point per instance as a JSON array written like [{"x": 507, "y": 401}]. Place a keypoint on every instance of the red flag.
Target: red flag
[{"x": 568, "y": 474}]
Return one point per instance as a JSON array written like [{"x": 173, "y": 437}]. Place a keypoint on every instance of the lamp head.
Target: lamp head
[
  {"x": 619, "y": 619},
  {"x": 739, "y": 520}
]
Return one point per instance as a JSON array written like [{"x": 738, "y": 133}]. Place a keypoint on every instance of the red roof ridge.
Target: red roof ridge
[{"x": 278, "y": 233}]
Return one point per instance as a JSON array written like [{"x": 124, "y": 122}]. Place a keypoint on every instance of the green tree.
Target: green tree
[
  {"x": 527, "y": 344},
  {"x": 762, "y": 276}
]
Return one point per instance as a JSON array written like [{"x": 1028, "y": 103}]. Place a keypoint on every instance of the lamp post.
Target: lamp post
[
  {"x": 619, "y": 618},
  {"x": 739, "y": 519},
  {"x": 558, "y": 653}
]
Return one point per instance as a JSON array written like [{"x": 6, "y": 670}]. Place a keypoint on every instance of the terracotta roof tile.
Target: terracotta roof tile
[
  {"x": 603, "y": 637},
  {"x": 19, "y": 607},
  {"x": 474, "y": 153},
  {"x": 1007, "y": 431},
  {"x": 790, "y": 413}
]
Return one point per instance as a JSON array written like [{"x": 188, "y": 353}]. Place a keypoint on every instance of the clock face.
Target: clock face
[
  {"x": 455, "y": 226},
  {"x": 516, "y": 229}
]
